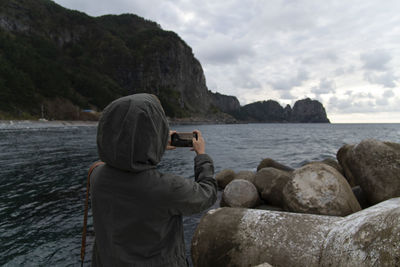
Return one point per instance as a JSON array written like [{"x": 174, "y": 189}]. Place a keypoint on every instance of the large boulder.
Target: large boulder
[
  {"x": 376, "y": 167},
  {"x": 224, "y": 178},
  {"x": 268, "y": 162},
  {"x": 246, "y": 237},
  {"x": 240, "y": 193},
  {"x": 270, "y": 183},
  {"x": 319, "y": 189},
  {"x": 343, "y": 156}
]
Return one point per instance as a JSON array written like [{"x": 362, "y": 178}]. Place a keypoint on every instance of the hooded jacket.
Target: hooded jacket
[{"x": 137, "y": 211}]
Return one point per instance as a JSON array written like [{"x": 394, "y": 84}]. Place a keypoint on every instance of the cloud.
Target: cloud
[
  {"x": 325, "y": 86},
  {"x": 387, "y": 79},
  {"x": 287, "y": 84},
  {"x": 377, "y": 60},
  {"x": 222, "y": 49}
]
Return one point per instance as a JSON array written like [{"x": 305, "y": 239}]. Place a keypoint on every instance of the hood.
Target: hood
[{"x": 132, "y": 134}]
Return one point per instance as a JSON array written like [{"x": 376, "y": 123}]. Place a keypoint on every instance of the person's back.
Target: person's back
[{"x": 137, "y": 211}]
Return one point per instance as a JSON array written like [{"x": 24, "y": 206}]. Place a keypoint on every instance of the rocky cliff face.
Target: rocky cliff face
[
  {"x": 308, "y": 110},
  {"x": 305, "y": 110},
  {"x": 101, "y": 58},
  {"x": 225, "y": 103}
]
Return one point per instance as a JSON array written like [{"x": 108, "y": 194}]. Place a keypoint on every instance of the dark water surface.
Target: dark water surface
[{"x": 43, "y": 169}]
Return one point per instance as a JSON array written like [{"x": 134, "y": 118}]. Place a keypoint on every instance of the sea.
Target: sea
[{"x": 43, "y": 171}]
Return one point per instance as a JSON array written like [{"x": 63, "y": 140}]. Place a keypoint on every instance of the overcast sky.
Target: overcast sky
[{"x": 345, "y": 54}]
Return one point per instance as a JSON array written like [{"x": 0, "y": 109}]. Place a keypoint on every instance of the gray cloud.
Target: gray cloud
[
  {"x": 376, "y": 60},
  {"x": 286, "y": 84},
  {"x": 220, "y": 49},
  {"x": 325, "y": 86},
  {"x": 387, "y": 79}
]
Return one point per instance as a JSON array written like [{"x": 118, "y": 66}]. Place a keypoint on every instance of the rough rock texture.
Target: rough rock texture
[
  {"x": 224, "y": 178},
  {"x": 240, "y": 193},
  {"x": 367, "y": 238},
  {"x": 343, "y": 158},
  {"x": 245, "y": 175},
  {"x": 375, "y": 166},
  {"x": 268, "y": 162},
  {"x": 270, "y": 183},
  {"x": 248, "y": 237},
  {"x": 319, "y": 189},
  {"x": 245, "y": 237},
  {"x": 268, "y": 207}
]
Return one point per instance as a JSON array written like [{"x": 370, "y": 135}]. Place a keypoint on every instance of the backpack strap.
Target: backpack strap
[{"x": 83, "y": 247}]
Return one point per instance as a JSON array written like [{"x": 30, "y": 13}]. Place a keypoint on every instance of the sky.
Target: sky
[{"x": 346, "y": 54}]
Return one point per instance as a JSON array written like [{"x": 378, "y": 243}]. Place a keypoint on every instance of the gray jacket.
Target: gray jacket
[{"x": 137, "y": 211}]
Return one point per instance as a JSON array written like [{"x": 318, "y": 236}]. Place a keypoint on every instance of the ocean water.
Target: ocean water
[{"x": 43, "y": 168}]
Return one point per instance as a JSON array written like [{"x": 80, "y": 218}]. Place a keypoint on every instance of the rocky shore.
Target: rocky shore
[{"x": 343, "y": 212}]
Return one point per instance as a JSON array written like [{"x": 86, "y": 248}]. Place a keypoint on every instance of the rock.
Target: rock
[
  {"x": 267, "y": 162},
  {"x": 248, "y": 237},
  {"x": 224, "y": 177},
  {"x": 307, "y": 110},
  {"x": 245, "y": 175},
  {"x": 361, "y": 197},
  {"x": 331, "y": 162},
  {"x": 265, "y": 264},
  {"x": 343, "y": 157},
  {"x": 225, "y": 103},
  {"x": 240, "y": 193},
  {"x": 268, "y": 207},
  {"x": 367, "y": 238},
  {"x": 270, "y": 183},
  {"x": 376, "y": 167},
  {"x": 319, "y": 189}
]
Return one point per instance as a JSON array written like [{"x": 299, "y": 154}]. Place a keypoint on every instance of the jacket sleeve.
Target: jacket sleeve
[{"x": 190, "y": 196}]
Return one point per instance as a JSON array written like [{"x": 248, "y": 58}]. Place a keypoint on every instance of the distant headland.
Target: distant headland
[{"x": 61, "y": 64}]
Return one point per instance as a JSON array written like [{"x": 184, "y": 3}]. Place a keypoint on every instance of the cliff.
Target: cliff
[
  {"x": 48, "y": 52},
  {"x": 303, "y": 111}
]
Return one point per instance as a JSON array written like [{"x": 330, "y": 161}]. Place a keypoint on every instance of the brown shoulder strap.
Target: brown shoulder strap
[{"x": 94, "y": 165}]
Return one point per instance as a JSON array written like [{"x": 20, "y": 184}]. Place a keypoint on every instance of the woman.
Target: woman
[{"x": 137, "y": 211}]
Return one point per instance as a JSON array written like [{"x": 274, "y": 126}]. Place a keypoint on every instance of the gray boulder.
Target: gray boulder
[
  {"x": 270, "y": 183},
  {"x": 240, "y": 193},
  {"x": 224, "y": 178},
  {"x": 248, "y": 237},
  {"x": 319, "y": 189},
  {"x": 376, "y": 167},
  {"x": 343, "y": 156},
  {"x": 268, "y": 162}
]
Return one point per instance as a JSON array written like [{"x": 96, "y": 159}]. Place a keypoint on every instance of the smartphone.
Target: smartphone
[{"x": 183, "y": 139}]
